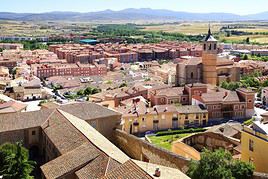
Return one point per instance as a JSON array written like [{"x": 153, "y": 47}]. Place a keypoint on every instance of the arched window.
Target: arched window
[
  {"x": 209, "y": 47},
  {"x": 215, "y": 46},
  {"x": 205, "y": 46}
]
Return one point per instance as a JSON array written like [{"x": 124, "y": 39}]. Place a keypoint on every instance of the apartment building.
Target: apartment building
[
  {"x": 78, "y": 69},
  {"x": 225, "y": 105},
  {"x": 253, "y": 144},
  {"x": 138, "y": 118}
]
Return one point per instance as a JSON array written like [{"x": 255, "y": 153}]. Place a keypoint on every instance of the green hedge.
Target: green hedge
[
  {"x": 180, "y": 131},
  {"x": 248, "y": 122}
]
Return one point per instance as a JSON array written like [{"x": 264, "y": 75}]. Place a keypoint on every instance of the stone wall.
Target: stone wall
[
  {"x": 212, "y": 141},
  {"x": 142, "y": 150}
]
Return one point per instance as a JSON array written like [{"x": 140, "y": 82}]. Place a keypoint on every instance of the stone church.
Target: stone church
[{"x": 212, "y": 68}]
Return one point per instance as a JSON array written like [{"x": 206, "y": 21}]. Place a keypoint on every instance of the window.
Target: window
[
  {"x": 249, "y": 100},
  {"x": 196, "y": 122},
  {"x": 186, "y": 116},
  {"x": 186, "y": 123},
  {"x": 251, "y": 145},
  {"x": 163, "y": 117},
  {"x": 209, "y": 47},
  {"x": 174, "y": 123},
  {"x": 192, "y": 75},
  {"x": 205, "y": 46},
  {"x": 215, "y": 46},
  {"x": 197, "y": 117},
  {"x": 155, "y": 125},
  {"x": 33, "y": 132}
]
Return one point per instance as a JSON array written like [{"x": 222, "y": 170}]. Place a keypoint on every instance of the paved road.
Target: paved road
[
  {"x": 259, "y": 111},
  {"x": 33, "y": 106}
]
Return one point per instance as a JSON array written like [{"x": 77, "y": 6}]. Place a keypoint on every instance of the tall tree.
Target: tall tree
[
  {"x": 14, "y": 161},
  {"x": 219, "y": 165}
]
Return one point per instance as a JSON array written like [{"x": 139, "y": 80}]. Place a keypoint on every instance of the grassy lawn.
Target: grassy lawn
[{"x": 165, "y": 141}]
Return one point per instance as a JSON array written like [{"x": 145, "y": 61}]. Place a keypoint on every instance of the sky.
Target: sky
[{"x": 241, "y": 7}]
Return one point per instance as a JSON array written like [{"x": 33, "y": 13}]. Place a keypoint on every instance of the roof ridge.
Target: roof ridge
[
  {"x": 49, "y": 117},
  {"x": 87, "y": 130}
]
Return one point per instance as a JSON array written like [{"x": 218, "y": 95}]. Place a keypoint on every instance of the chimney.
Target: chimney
[
  {"x": 157, "y": 172},
  {"x": 226, "y": 93},
  {"x": 166, "y": 109}
]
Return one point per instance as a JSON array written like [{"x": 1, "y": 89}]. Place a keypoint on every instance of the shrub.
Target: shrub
[{"x": 180, "y": 131}]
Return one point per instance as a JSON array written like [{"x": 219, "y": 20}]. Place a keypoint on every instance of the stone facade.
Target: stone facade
[{"x": 212, "y": 141}]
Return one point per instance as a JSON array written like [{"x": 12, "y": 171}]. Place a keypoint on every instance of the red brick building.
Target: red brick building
[{"x": 44, "y": 71}]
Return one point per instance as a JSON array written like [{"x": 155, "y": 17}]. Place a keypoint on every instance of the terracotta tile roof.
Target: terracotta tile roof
[
  {"x": 70, "y": 161},
  {"x": 62, "y": 133},
  {"x": 128, "y": 170},
  {"x": 190, "y": 109},
  {"x": 231, "y": 97},
  {"x": 88, "y": 111},
  {"x": 141, "y": 109},
  {"x": 18, "y": 121},
  {"x": 192, "y": 61},
  {"x": 11, "y": 106},
  {"x": 222, "y": 96},
  {"x": 177, "y": 91},
  {"x": 97, "y": 168}
]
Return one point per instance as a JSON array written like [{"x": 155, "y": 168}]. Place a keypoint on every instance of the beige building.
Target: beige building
[{"x": 137, "y": 118}]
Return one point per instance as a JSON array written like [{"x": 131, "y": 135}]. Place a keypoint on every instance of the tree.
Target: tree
[
  {"x": 88, "y": 91},
  {"x": 245, "y": 57},
  {"x": 241, "y": 170},
  {"x": 247, "y": 40},
  {"x": 219, "y": 165},
  {"x": 80, "y": 92},
  {"x": 230, "y": 86},
  {"x": 95, "y": 90},
  {"x": 14, "y": 161},
  {"x": 123, "y": 85}
]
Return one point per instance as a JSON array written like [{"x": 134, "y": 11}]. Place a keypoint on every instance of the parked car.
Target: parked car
[{"x": 257, "y": 105}]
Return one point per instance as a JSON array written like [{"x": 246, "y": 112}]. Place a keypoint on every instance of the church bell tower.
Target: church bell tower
[{"x": 209, "y": 59}]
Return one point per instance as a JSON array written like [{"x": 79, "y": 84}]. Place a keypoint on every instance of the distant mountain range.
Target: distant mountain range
[{"x": 131, "y": 15}]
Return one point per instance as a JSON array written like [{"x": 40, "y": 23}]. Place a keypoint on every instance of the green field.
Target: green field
[
  {"x": 166, "y": 141},
  {"x": 261, "y": 39},
  {"x": 258, "y": 31},
  {"x": 185, "y": 28}
]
